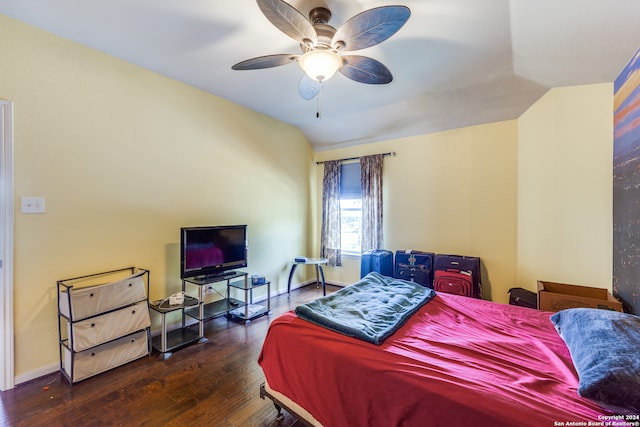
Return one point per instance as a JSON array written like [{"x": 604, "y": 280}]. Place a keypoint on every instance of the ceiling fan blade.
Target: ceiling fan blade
[
  {"x": 308, "y": 88},
  {"x": 267, "y": 61},
  {"x": 288, "y": 20},
  {"x": 365, "y": 70},
  {"x": 370, "y": 27}
]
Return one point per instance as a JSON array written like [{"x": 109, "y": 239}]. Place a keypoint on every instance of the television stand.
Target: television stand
[
  {"x": 210, "y": 310},
  {"x": 201, "y": 310},
  {"x": 212, "y": 278}
]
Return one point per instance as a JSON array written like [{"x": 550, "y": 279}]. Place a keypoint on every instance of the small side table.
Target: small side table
[
  {"x": 318, "y": 263},
  {"x": 166, "y": 342}
]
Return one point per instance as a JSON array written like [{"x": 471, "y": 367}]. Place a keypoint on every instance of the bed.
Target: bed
[{"x": 453, "y": 361}]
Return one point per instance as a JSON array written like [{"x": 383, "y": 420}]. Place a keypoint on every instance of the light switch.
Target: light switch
[{"x": 32, "y": 205}]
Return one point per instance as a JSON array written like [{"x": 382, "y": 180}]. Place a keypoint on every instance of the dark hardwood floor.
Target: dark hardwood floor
[{"x": 215, "y": 383}]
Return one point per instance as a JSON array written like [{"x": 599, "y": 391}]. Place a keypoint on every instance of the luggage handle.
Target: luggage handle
[
  {"x": 416, "y": 266},
  {"x": 455, "y": 270}
]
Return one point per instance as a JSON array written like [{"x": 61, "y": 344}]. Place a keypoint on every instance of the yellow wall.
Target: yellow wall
[
  {"x": 531, "y": 197},
  {"x": 124, "y": 157},
  {"x": 448, "y": 192},
  {"x": 565, "y": 158}
]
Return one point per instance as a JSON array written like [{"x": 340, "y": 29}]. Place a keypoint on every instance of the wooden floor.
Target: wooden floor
[{"x": 215, "y": 383}]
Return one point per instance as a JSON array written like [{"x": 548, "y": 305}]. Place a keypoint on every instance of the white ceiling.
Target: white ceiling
[{"x": 455, "y": 63}]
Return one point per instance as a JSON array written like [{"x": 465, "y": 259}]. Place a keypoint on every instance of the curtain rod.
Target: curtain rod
[{"x": 391, "y": 153}]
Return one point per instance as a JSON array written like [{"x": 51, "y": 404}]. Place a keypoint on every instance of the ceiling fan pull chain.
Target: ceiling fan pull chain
[{"x": 318, "y": 99}]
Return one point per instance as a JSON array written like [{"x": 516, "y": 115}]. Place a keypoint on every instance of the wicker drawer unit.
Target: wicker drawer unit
[
  {"x": 85, "y": 364},
  {"x": 97, "y": 330},
  {"x": 81, "y": 303},
  {"x": 103, "y": 321}
]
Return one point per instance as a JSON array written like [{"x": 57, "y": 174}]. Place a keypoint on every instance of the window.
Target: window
[
  {"x": 350, "y": 223},
  {"x": 350, "y": 208}
]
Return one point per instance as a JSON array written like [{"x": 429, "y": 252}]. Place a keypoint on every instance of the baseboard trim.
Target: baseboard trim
[
  {"x": 41, "y": 372},
  {"x": 49, "y": 369},
  {"x": 339, "y": 284},
  {"x": 312, "y": 282}
]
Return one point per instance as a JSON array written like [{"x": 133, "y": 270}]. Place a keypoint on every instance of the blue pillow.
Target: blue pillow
[{"x": 605, "y": 348}]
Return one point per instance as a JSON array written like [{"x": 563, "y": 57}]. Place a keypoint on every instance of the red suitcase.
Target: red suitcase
[
  {"x": 454, "y": 282},
  {"x": 460, "y": 263}
]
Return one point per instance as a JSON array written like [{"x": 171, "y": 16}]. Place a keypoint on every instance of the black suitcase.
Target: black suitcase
[
  {"x": 414, "y": 265},
  {"x": 523, "y": 298},
  {"x": 378, "y": 260},
  {"x": 461, "y": 263},
  {"x": 414, "y": 273}
]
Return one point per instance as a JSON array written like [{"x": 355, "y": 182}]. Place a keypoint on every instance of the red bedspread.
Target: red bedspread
[{"x": 456, "y": 362}]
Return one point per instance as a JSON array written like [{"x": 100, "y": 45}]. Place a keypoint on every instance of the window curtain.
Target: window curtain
[
  {"x": 330, "y": 233},
  {"x": 371, "y": 178}
]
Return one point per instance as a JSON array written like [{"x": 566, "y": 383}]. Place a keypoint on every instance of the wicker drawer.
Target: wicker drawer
[
  {"x": 106, "y": 356},
  {"x": 88, "y": 301},
  {"x": 100, "y": 329}
]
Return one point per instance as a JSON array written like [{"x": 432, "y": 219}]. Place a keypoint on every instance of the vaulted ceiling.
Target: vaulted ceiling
[{"x": 455, "y": 63}]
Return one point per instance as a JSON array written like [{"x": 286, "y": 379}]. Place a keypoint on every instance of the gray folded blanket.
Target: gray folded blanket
[{"x": 371, "y": 309}]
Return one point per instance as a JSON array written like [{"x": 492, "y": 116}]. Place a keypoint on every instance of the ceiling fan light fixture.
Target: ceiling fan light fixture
[{"x": 320, "y": 64}]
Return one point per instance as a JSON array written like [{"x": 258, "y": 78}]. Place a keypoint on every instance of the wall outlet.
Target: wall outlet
[{"x": 32, "y": 205}]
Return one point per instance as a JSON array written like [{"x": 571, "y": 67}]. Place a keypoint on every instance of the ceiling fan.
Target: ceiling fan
[{"x": 322, "y": 44}]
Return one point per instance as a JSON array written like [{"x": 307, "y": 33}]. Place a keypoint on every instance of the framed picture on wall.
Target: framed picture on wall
[{"x": 626, "y": 186}]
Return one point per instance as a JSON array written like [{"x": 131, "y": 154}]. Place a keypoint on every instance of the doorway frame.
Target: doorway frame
[{"x": 7, "y": 362}]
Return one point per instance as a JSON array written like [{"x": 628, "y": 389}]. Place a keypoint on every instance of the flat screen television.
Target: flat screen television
[{"x": 213, "y": 250}]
